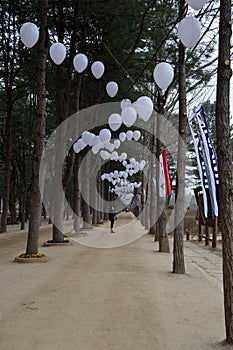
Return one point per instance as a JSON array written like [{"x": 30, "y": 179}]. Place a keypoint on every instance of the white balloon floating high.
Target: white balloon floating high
[
  {"x": 163, "y": 74},
  {"x": 122, "y": 136},
  {"x": 105, "y": 135},
  {"x": 189, "y": 31},
  {"x": 129, "y": 135},
  {"x": 116, "y": 144},
  {"x": 196, "y": 4},
  {"x": 125, "y": 103},
  {"x": 112, "y": 88},
  {"x": 115, "y": 121},
  {"x": 29, "y": 34},
  {"x": 136, "y": 135},
  {"x": 129, "y": 116},
  {"x": 57, "y": 53},
  {"x": 76, "y": 148},
  {"x": 80, "y": 62},
  {"x": 97, "y": 69},
  {"x": 144, "y": 107}
]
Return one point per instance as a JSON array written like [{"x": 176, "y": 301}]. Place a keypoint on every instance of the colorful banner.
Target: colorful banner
[
  {"x": 211, "y": 160},
  {"x": 162, "y": 186},
  {"x": 164, "y": 179},
  {"x": 207, "y": 162},
  {"x": 166, "y": 174},
  {"x": 201, "y": 165}
]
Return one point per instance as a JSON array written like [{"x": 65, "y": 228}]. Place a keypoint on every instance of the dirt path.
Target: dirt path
[{"x": 97, "y": 299}]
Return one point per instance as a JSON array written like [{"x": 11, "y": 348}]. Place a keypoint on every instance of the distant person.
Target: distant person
[{"x": 112, "y": 217}]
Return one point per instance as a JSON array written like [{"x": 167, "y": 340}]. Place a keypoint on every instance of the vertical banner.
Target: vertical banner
[
  {"x": 210, "y": 159},
  {"x": 162, "y": 185},
  {"x": 201, "y": 165},
  {"x": 166, "y": 174}
]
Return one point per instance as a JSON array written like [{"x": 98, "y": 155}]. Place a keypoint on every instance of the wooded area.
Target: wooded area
[{"x": 37, "y": 96}]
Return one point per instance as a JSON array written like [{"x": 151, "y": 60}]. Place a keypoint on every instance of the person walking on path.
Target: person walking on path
[{"x": 112, "y": 217}]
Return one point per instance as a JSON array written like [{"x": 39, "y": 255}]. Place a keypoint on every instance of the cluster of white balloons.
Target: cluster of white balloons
[
  {"x": 133, "y": 167},
  {"x": 29, "y": 34},
  {"x": 142, "y": 108},
  {"x": 189, "y": 28}
]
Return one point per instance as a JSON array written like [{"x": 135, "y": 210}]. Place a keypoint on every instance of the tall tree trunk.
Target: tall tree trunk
[
  {"x": 63, "y": 101},
  {"x": 85, "y": 205},
  {"x": 77, "y": 195},
  {"x": 178, "y": 249},
  {"x": 7, "y": 170},
  {"x": 224, "y": 151},
  {"x": 34, "y": 223},
  {"x": 161, "y": 202},
  {"x": 153, "y": 199}
]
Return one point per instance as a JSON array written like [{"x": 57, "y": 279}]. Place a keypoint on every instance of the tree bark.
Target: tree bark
[
  {"x": 34, "y": 223},
  {"x": 161, "y": 202},
  {"x": 224, "y": 152},
  {"x": 85, "y": 205},
  {"x": 77, "y": 195},
  {"x": 178, "y": 249},
  {"x": 7, "y": 170}
]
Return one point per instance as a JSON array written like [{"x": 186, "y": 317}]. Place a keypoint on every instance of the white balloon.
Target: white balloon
[
  {"x": 112, "y": 88},
  {"x": 122, "y": 136},
  {"x": 104, "y": 154},
  {"x": 129, "y": 116},
  {"x": 96, "y": 141},
  {"x": 114, "y": 156},
  {"x": 97, "y": 69},
  {"x": 131, "y": 172},
  {"x": 95, "y": 149},
  {"x": 89, "y": 138},
  {"x": 76, "y": 148},
  {"x": 144, "y": 107},
  {"x": 132, "y": 160},
  {"x": 29, "y": 34},
  {"x": 141, "y": 166},
  {"x": 129, "y": 135},
  {"x": 123, "y": 156},
  {"x": 57, "y": 53},
  {"x": 189, "y": 31},
  {"x": 85, "y": 137},
  {"x": 80, "y": 62},
  {"x": 136, "y": 135},
  {"x": 115, "y": 121},
  {"x": 196, "y": 4},
  {"x": 125, "y": 103},
  {"x": 81, "y": 144},
  {"x": 105, "y": 135},
  {"x": 117, "y": 144},
  {"x": 163, "y": 74}
]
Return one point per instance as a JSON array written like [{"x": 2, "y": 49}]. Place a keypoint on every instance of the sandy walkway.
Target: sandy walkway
[{"x": 95, "y": 299}]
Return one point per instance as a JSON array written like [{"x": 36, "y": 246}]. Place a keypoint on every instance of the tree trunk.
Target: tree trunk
[
  {"x": 178, "y": 249},
  {"x": 85, "y": 205},
  {"x": 22, "y": 210},
  {"x": 224, "y": 151},
  {"x": 161, "y": 210},
  {"x": 7, "y": 170},
  {"x": 77, "y": 195},
  {"x": 34, "y": 223},
  {"x": 153, "y": 200}
]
